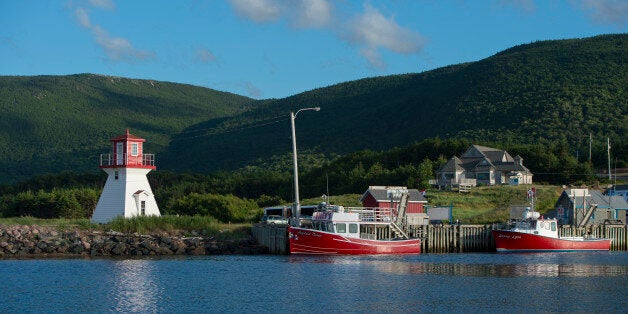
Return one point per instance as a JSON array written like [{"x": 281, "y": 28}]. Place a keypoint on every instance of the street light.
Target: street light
[{"x": 297, "y": 206}]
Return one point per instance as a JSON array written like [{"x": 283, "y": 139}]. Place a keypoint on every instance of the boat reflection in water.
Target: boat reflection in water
[
  {"x": 471, "y": 269},
  {"x": 506, "y": 270}
]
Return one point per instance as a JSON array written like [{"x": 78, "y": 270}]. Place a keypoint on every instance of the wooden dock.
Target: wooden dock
[{"x": 448, "y": 238}]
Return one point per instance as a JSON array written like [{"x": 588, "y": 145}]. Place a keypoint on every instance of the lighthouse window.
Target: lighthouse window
[
  {"x": 115, "y": 174},
  {"x": 143, "y": 208},
  {"x": 134, "y": 149}
]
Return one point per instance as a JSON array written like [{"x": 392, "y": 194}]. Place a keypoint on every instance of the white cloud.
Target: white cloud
[
  {"x": 312, "y": 13},
  {"x": 372, "y": 31},
  {"x": 204, "y": 55},
  {"x": 83, "y": 17},
  {"x": 369, "y": 31},
  {"x": 260, "y": 11},
  {"x": 301, "y": 13},
  {"x": 606, "y": 11},
  {"x": 103, "y": 4},
  {"x": 116, "y": 48}
]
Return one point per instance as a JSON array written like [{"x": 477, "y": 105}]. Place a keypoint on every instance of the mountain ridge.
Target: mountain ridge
[{"x": 544, "y": 92}]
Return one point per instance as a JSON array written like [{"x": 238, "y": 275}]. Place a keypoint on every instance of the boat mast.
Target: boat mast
[{"x": 531, "y": 198}]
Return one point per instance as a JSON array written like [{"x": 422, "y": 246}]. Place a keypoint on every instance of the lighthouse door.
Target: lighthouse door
[{"x": 119, "y": 153}]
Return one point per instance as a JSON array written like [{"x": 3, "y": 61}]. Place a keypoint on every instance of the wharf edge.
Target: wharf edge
[{"x": 449, "y": 238}]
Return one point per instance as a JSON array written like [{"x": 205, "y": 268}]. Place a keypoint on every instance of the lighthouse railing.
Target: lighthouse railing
[{"x": 109, "y": 160}]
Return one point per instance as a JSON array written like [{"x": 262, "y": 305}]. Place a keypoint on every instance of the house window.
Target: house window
[
  {"x": 134, "y": 147},
  {"x": 143, "y": 206},
  {"x": 484, "y": 176},
  {"x": 116, "y": 174}
]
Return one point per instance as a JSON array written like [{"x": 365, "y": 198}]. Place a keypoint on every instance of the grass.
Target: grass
[
  {"x": 184, "y": 225},
  {"x": 491, "y": 204}
]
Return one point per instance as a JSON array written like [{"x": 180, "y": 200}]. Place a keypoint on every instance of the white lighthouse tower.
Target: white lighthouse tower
[{"x": 127, "y": 192}]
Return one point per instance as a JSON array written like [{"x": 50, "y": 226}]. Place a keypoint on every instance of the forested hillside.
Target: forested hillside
[
  {"x": 50, "y": 124},
  {"x": 552, "y": 93}
]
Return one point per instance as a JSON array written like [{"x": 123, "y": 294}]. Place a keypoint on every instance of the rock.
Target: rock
[
  {"x": 118, "y": 249},
  {"x": 37, "y": 240}
]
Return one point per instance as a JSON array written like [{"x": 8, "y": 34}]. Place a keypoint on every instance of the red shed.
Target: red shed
[{"x": 379, "y": 196}]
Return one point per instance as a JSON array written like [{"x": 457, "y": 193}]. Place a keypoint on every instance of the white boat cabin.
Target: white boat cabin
[
  {"x": 533, "y": 223},
  {"x": 347, "y": 221}
]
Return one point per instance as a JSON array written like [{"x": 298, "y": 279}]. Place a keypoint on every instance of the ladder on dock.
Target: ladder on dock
[
  {"x": 401, "y": 216},
  {"x": 587, "y": 216},
  {"x": 399, "y": 233},
  {"x": 401, "y": 210}
]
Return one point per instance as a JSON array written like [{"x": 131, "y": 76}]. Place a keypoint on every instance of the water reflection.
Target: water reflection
[
  {"x": 505, "y": 270},
  {"x": 532, "y": 269},
  {"x": 134, "y": 287}
]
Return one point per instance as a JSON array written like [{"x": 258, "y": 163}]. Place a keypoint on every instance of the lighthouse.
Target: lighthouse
[{"x": 127, "y": 192}]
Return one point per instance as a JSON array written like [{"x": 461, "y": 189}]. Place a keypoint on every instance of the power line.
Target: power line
[{"x": 278, "y": 119}]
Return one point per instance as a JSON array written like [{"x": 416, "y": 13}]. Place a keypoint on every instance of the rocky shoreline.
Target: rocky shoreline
[{"x": 21, "y": 241}]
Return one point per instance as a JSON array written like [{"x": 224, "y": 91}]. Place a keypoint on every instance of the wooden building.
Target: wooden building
[
  {"x": 390, "y": 197},
  {"x": 483, "y": 165},
  {"x": 582, "y": 207},
  {"x": 384, "y": 197}
]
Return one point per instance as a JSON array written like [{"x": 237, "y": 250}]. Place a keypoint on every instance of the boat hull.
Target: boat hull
[
  {"x": 308, "y": 241},
  {"x": 511, "y": 241}
]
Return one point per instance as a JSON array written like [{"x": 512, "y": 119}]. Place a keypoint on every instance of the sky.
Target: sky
[{"x": 277, "y": 48}]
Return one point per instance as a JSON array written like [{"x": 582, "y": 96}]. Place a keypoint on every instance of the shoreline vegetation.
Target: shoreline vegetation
[{"x": 29, "y": 237}]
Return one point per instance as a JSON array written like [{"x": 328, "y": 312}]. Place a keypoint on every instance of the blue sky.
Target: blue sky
[{"x": 278, "y": 48}]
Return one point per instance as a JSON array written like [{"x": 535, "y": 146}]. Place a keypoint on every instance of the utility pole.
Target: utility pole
[
  {"x": 608, "y": 149},
  {"x": 296, "y": 212},
  {"x": 590, "y": 143}
]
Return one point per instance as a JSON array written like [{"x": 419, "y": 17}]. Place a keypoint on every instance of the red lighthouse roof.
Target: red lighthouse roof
[{"x": 128, "y": 136}]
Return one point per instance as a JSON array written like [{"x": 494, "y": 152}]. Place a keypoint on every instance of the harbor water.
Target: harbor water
[{"x": 471, "y": 282}]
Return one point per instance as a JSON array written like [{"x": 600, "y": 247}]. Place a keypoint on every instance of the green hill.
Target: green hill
[
  {"x": 550, "y": 92},
  {"x": 50, "y": 124},
  {"x": 545, "y": 92}
]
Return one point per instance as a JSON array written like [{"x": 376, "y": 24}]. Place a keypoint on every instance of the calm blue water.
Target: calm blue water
[{"x": 548, "y": 282}]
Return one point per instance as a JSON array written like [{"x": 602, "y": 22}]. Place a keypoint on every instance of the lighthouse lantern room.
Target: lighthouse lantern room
[{"x": 127, "y": 191}]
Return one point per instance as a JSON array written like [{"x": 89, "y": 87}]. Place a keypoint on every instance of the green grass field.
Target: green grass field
[{"x": 491, "y": 204}]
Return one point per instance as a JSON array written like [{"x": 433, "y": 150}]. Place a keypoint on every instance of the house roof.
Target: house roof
[
  {"x": 380, "y": 193},
  {"x": 595, "y": 197},
  {"x": 482, "y": 158},
  {"x": 452, "y": 165}
]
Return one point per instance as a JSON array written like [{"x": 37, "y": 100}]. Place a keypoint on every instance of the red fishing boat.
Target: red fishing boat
[
  {"x": 336, "y": 230},
  {"x": 533, "y": 233}
]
